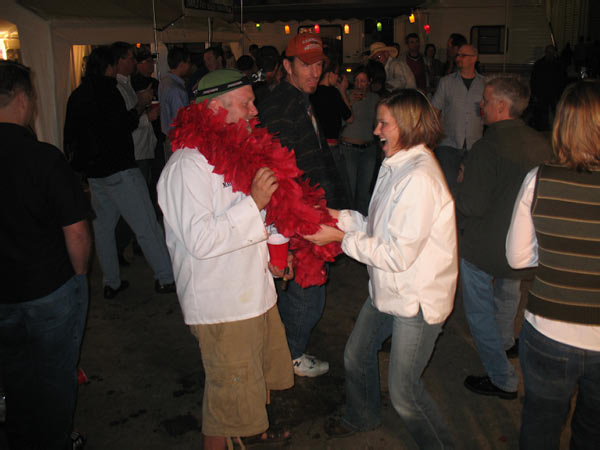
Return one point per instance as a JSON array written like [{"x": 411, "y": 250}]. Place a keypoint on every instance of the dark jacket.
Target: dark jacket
[
  {"x": 284, "y": 112},
  {"x": 494, "y": 170},
  {"x": 98, "y": 129}
]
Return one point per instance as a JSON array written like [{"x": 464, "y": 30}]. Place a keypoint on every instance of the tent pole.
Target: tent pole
[
  {"x": 156, "y": 65},
  {"x": 210, "y": 32}
]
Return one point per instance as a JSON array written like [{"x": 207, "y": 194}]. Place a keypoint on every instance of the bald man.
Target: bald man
[{"x": 457, "y": 100}]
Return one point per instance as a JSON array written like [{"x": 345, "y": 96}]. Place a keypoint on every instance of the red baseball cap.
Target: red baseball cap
[{"x": 307, "y": 47}]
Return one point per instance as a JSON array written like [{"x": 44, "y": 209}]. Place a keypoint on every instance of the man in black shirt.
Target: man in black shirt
[
  {"x": 45, "y": 248},
  {"x": 288, "y": 112}
]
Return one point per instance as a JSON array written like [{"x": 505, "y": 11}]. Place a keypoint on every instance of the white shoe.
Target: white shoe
[{"x": 309, "y": 366}]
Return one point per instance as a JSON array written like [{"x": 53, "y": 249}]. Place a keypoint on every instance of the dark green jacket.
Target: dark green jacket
[{"x": 494, "y": 170}]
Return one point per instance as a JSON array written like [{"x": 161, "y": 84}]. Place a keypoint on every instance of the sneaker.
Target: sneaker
[
  {"x": 167, "y": 288},
  {"x": 309, "y": 366}
]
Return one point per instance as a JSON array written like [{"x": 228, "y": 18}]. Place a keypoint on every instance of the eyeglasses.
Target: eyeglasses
[{"x": 462, "y": 55}]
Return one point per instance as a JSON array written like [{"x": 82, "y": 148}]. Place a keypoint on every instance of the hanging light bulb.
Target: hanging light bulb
[
  {"x": 411, "y": 18},
  {"x": 346, "y": 29},
  {"x": 287, "y": 29},
  {"x": 317, "y": 28},
  {"x": 427, "y": 28},
  {"x": 379, "y": 26},
  {"x": 258, "y": 27}
]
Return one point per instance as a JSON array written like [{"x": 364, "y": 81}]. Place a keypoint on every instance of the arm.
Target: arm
[
  {"x": 521, "y": 240},
  {"x": 346, "y": 106},
  {"x": 412, "y": 214},
  {"x": 186, "y": 196},
  {"x": 474, "y": 195},
  {"x": 78, "y": 241}
]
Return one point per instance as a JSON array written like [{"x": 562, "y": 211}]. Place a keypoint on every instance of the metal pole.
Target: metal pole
[
  {"x": 505, "y": 36},
  {"x": 210, "y": 32},
  {"x": 242, "y": 25},
  {"x": 156, "y": 65}
]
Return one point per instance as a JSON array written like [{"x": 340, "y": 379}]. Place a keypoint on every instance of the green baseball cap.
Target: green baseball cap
[{"x": 218, "y": 82}]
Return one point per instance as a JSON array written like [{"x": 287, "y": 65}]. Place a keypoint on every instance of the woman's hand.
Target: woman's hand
[{"x": 325, "y": 235}]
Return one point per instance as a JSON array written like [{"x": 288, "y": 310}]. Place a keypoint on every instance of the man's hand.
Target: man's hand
[
  {"x": 286, "y": 275},
  {"x": 145, "y": 96},
  {"x": 333, "y": 213},
  {"x": 153, "y": 114},
  {"x": 461, "y": 173},
  {"x": 263, "y": 186},
  {"x": 325, "y": 236}
]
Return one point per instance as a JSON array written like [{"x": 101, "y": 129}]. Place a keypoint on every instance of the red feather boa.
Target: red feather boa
[{"x": 237, "y": 151}]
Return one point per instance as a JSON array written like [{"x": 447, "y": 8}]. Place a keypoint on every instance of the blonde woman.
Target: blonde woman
[{"x": 408, "y": 242}]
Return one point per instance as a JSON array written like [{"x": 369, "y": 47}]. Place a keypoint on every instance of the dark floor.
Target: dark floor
[{"x": 146, "y": 379}]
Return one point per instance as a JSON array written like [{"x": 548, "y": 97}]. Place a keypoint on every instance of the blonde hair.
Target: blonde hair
[
  {"x": 416, "y": 119},
  {"x": 576, "y": 131}
]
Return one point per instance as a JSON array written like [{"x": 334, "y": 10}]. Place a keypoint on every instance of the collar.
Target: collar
[
  {"x": 506, "y": 124},
  {"x": 176, "y": 78},
  {"x": 123, "y": 79},
  {"x": 402, "y": 156}
]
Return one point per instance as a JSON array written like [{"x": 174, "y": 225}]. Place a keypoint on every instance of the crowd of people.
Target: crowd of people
[{"x": 424, "y": 172}]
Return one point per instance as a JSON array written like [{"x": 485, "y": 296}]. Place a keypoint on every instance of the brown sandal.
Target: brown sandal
[{"x": 271, "y": 437}]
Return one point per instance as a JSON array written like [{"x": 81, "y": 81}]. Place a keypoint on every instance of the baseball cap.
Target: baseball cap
[
  {"x": 143, "y": 53},
  {"x": 218, "y": 82},
  {"x": 307, "y": 47}
]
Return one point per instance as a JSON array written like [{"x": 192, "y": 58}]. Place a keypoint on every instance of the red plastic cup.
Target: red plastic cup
[
  {"x": 278, "y": 250},
  {"x": 155, "y": 104}
]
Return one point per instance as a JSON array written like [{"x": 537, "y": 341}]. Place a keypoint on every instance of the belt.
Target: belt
[{"x": 350, "y": 144}]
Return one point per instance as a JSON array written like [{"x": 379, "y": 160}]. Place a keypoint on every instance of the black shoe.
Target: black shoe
[
  {"x": 123, "y": 261},
  {"x": 168, "y": 288},
  {"x": 513, "y": 352},
  {"x": 336, "y": 429},
  {"x": 484, "y": 386},
  {"x": 112, "y": 293}
]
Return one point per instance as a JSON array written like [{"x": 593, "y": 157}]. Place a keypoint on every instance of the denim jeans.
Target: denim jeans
[
  {"x": 360, "y": 165},
  {"x": 300, "y": 310},
  {"x": 413, "y": 341},
  {"x": 490, "y": 307},
  {"x": 39, "y": 350},
  {"x": 125, "y": 194},
  {"x": 552, "y": 373}
]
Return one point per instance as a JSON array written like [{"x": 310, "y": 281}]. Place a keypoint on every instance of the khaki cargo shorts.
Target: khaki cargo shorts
[{"x": 241, "y": 361}]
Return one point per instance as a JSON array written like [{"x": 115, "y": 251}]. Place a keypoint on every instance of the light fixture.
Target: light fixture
[
  {"x": 346, "y": 29},
  {"x": 287, "y": 29},
  {"x": 379, "y": 26},
  {"x": 258, "y": 27},
  {"x": 427, "y": 28},
  {"x": 317, "y": 28},
  {"x": 411, "y": 18}
]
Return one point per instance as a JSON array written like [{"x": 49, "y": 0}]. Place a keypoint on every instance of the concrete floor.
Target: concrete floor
[{"x": 146, "y": 378}]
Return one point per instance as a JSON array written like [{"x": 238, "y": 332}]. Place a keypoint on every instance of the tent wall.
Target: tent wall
[{"x": 37, "y": 52}]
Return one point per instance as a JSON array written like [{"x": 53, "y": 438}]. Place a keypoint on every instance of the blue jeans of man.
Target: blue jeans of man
[
  {"x": 490, "y": 307},
  {"x": 360, "y": 165},
  {"x": 413, "y": 341},
  {"x": 125, "y": 194},
  {"x": 40, "y": 342},
  {"x": 552, "y": 373},
  {"x": 300, "y": 310}
]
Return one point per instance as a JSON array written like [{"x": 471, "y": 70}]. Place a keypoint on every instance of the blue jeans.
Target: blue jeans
[
  {"x": 490, "y": 307},
  {"x": 125, "y": 194},
  {"x": 39, "y": 350},
  {"x": 552, "y": 373},
  {"x": 413, "y": 341},
  {"x": 360, "y": 165},
  {"x": 300, "y": 310}
]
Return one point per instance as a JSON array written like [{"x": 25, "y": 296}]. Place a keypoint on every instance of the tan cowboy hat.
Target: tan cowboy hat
[{"x": 377, "y": 47}]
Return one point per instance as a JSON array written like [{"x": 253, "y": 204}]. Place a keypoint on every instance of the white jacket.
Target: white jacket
[
  {"x": 217, "y": 242},
  {"x": 408, "y": 241}
]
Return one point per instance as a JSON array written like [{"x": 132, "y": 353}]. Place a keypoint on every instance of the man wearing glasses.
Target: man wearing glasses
[{"x": 457, "y": 100}]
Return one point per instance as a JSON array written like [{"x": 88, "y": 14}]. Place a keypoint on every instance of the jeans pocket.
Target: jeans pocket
[
  {"x": 226, "y": 394},
  {"x": 544, "y": 371}
]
